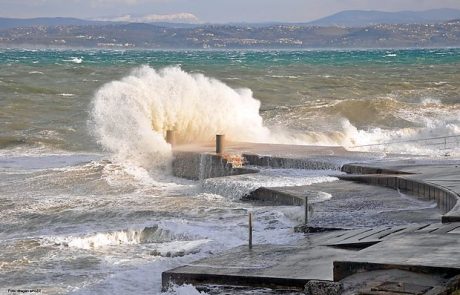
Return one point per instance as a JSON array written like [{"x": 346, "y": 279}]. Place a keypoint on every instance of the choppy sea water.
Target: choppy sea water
[{"x": 87, "y": 203}]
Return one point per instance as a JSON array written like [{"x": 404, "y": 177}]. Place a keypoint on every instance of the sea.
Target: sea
[{"x": 88, "y": 204}]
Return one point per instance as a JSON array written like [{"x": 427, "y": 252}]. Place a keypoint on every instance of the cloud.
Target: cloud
[
  {"x": 104, "y": 2},
  {"x": 183, "y": 17},
  {"x": 107, "y": 3}
]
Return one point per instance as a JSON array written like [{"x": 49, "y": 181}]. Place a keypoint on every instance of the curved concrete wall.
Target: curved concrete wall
[{"x": 446, "y": 199}]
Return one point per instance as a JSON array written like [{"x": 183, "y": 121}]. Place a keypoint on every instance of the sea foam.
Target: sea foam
[{"x": 131, "y": 116}]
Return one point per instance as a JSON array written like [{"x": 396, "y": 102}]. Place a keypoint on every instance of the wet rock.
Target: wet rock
[{"x": 323, "y": 288}]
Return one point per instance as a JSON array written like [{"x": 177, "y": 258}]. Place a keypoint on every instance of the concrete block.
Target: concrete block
[
  {"x": 196, "y": 166},
  {"x": 274, "y": 196}
]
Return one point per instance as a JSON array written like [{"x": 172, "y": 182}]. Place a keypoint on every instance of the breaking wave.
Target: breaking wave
[
  {"x": 428, "y": 126},
  {"x": 131, "y": 116},
  {"x": 146, "y": 235}
]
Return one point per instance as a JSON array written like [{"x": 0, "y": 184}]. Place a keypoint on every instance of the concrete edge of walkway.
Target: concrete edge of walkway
[{"x": 446, "y": 199}]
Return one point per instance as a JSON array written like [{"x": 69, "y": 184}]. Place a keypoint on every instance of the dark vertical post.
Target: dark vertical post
[
  {"x": 170, "y": 137},
  {"x": 220, "y": 143},
  {"x": 250, "y": 230},
  {"x": 306, "y": 210}
]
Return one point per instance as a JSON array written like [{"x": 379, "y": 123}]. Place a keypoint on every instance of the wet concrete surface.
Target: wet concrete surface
[
  {"x": 393, "y": 230},
  {"x": 345, "y": 204}
]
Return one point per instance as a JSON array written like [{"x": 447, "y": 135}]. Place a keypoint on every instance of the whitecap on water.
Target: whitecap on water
[{"x": 77, "y": 60}]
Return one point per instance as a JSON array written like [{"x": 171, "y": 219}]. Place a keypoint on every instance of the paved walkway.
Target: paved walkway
[{"x": 419, "y": 247}]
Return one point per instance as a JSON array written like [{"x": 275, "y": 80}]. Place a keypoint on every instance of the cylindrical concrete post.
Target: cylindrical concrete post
[
  {"x": 250, "y": 230},
  {"x": 220, "y": 143},
  {"x": 170, "y": 137}
]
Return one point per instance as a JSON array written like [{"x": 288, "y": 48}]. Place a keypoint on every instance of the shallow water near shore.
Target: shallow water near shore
[{"x": 87, "y": 201}]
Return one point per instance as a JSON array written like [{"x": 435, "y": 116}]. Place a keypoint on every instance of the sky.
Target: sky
[{"x": 214, "y": 11}]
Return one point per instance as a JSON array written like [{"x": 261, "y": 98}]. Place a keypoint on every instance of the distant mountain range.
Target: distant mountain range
[
  {"x": 363, "y": 18},
  {"x": 350, "y": 18},
  {"x": 183, "y": 18},
  {"x": 6, "y": 23}
]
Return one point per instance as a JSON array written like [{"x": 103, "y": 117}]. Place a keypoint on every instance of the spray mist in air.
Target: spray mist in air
[{"x": 131, "y": 116}]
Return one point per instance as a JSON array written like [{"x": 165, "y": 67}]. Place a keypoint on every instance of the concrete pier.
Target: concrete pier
[
  {"x": 323, "y": 258},
  {"x": 367, "y": 260},
  {"x": 435, "y": 180},
  {"x": 200, "y": 161}
]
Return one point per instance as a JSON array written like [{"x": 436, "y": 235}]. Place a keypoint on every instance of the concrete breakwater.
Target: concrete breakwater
[
  {"x": 201, "y": 161},
  {"x": 422, "y": 256},
  {"x": 414, "y": 179},
  {"x": 195, "y": 166}
]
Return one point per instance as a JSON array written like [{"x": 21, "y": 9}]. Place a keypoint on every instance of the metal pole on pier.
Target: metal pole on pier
[
  {"x": 250, "y": 230},
  {"x": 220, "y": 143},
  {"x": 306, "y": 210},
  {"x": 170, "y": 137}
]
